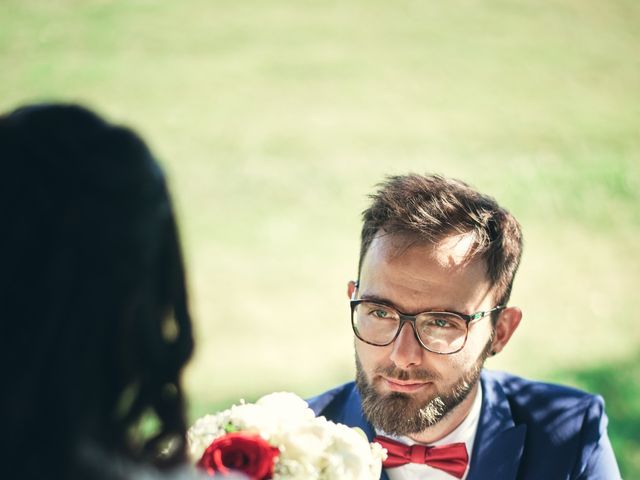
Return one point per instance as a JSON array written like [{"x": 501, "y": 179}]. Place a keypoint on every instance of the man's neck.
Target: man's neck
[{"x": 449, "y": 423}]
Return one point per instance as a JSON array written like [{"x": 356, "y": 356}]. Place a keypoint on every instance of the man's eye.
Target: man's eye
[
  {"x": 380, "y": 313},
  {"x": 442, "y": 323}
]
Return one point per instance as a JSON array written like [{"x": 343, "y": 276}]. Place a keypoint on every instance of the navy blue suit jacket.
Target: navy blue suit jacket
[{"x": 527, "y": 430}]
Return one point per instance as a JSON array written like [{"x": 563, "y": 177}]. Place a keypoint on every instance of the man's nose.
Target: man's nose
[{"x": 406, "y": 351}]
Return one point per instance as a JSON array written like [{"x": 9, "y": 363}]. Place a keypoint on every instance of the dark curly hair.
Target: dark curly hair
[{"x": 94, "y": 323}]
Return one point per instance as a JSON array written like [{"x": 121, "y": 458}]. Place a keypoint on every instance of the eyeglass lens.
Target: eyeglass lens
[{"x": 439, "y": 332}]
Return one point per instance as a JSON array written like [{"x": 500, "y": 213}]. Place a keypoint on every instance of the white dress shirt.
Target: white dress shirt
[{"x": 464, "y": 433}]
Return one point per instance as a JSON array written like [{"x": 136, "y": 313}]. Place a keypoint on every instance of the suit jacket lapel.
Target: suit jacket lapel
[{"x": 499, "y": 443}]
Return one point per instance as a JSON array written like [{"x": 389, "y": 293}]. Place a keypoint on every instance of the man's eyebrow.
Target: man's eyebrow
[
  {"x": 378, "y": 299},
  {"x": 383, "y": 301}
]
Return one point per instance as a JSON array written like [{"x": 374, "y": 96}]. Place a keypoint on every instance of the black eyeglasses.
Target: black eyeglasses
[{"x": 439, "y": 332}]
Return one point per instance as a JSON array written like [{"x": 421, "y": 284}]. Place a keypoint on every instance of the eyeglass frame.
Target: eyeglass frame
[{"x": 411, "y": 319}]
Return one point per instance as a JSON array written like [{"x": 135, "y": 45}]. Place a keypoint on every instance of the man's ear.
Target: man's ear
[
  {"x": 351, "y": 287},
  {"x": 507, "y": 323}
]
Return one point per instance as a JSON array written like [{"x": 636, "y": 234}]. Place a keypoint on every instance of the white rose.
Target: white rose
[
  {"x": 349, "y": 454},
  {"x": 306, "y": 443},
  {"x": 286, "y": 407},
  {"x": 378, "y": 455}
]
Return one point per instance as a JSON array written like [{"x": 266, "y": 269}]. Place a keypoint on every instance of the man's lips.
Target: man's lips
[{"x": 403, "y": 386}]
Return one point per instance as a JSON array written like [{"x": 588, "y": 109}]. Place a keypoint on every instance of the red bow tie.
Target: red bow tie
[{"x": 451, "y": 458}]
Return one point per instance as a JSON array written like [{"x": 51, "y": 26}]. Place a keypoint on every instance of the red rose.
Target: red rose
[{"x": 247, "y": 453}]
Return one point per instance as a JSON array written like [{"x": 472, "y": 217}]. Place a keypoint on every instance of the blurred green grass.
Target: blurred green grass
[
  {"x": 618, "y": 383},
  {"x": 274, "y": 121}
]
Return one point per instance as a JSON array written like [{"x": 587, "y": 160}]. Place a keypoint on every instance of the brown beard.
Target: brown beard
[{"x": 400, "y": 414}]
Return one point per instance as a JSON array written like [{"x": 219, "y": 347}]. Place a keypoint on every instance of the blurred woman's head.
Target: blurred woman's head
[{"x": 94, "y": 325}]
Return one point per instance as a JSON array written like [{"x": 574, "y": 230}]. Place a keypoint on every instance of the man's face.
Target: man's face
[{"x": 404, "y": 387}]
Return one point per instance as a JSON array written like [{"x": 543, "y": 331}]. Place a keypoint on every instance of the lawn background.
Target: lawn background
[{"x": 274, "y": 120}]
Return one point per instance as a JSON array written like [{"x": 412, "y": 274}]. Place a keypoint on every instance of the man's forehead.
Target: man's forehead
[
  {"x": 452, "y": 251},
  {"x": 406, "y": 270}
]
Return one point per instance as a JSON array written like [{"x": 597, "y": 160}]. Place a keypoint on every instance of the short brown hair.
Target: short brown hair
[{"x": 431, "y": 208}]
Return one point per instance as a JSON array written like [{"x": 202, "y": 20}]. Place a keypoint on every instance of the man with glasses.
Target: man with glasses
[{"x": 437, "y": 263}]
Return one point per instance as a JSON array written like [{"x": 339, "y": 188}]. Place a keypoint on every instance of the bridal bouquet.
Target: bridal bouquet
[{"x": 279, "y": 437}]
